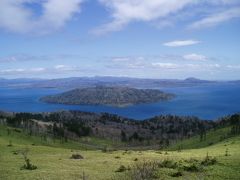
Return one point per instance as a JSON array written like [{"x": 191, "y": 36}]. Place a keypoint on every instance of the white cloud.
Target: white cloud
[
  {"x": 153, "y": 67},
  {"x": 166, "y": 12},
  {"x": 178, "y": 67},
  {"x": 44, "y": 57},
  {"x": 54, "y": 14},
  {"x": 217, "y": 18},
  {"x": 37, "y": 69},
  {"x": 30, "y": 71},
  {"x": 126, "y": 11},
  {"x": 16, "y": 16},
  {"x": 195, "y": 57},
  {"x": 9, "y": 71},
  {"x": 120, "y": 59},
  {"x": 57, "y": 13},
  {"x": 21, "y": 57},
  {"x": 128, "y": 62},
  {"x": 236, "y": 67},
  {"x": 221, "y": 2},
  {"x": 179, "y": 43},
  {"x": 22, "y": 71},
  {"x": 62, "y": 67},
  {"x": 165, "y": 65}
]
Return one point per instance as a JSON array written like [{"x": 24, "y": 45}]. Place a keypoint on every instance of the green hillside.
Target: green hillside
[
  {"x": 53, "y": 159},
  {"x": 212, "y": 137}
]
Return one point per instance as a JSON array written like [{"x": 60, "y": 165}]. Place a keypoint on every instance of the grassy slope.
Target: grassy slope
[
  {"x": 53, "y": 160},
  {"x": 212, "y": 137},
  {"x": 85, "y": 143}
]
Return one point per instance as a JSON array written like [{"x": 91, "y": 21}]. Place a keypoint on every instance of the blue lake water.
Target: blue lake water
[{"x": 206, "y": 102}]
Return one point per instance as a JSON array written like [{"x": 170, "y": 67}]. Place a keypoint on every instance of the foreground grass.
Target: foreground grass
[{"x": 53, "y": 160}]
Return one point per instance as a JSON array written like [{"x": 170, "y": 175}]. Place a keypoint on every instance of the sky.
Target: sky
[{"x": 163, "y": 39}]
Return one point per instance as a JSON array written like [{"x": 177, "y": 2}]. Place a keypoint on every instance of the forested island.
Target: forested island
[{"x": 113, "y": 96}]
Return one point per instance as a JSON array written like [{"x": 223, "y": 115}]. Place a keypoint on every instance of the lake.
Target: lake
[{"x": 203, "y": 101}]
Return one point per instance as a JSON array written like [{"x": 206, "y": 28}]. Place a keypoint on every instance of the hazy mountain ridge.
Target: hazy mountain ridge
[
  {"x": 79, "y": 82},
  {"x": 114, "y": 96}
]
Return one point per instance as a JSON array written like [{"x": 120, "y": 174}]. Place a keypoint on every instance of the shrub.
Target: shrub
[
  {"x": 177, "y": 174},
  {"x": 226, "y": 152},
  {"x": 144, "y": 170},
  {"x": 209, "y": 161},
  {"x": 168, "y": 164},
  {"x": 15, "y": 152},
  {"x": 27, "y": 165},
  {"x": 192, "y": 167},
  {"x": 191, "y": 160},
  {"x": 106, "y": 149},
  {"x": 10, "y": 144},
  {"x": 76, "y": 156},
  {"x": 17, "y": 130},
  {"x": 210, "y": 143},
  {"x": 128, "y": 152},
  {"x": 122, "y": 168}
]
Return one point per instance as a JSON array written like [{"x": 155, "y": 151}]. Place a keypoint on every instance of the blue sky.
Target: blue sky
[{"x": 136, "y": 38}]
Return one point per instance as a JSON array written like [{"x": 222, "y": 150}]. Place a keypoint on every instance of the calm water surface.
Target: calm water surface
[{"x": 206, "y": 102}]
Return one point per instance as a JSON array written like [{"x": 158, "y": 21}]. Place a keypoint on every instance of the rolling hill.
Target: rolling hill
[
  {"x": 53, "y": 160},
  {"x": 33, "y": 149}
]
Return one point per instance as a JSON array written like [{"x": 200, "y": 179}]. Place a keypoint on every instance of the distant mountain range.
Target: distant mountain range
[
  {"x": 80, "y": 82},
  {"x": 113, "y": 96},
  {"x": 20, "y": 82}
]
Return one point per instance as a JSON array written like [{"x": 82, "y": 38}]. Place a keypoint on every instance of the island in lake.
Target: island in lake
[{"x": 113, "y": 96}]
